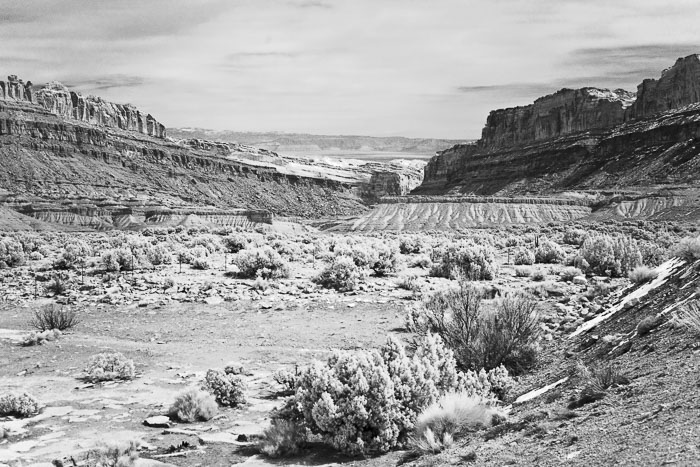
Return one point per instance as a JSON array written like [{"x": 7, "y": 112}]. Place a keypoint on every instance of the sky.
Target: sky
[{"x": 417, "y": 68}]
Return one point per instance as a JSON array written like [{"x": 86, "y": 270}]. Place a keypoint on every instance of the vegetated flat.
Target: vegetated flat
[{"x": 177, "y": 322}]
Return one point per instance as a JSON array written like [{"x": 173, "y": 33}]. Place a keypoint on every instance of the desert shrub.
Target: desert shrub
[
  {"x": 235, "y": 243},
  {"x": 286, "y": 248},
  {"x": 368, "y": 401},
  {"x": 118, "y": 259},
  {"x": 201, "y": 263},
  {"x": 598, "y": 289},
  {"x": 113, "y": 455},
  {"x": 209, "y": 242},
  {"x": 287, "y": 380},
  {"x": 193, "y": 405},
  {"x": 548, "y": 252},
  {"x": 523, "y": 271},
  {"x": 11, "y": 253},
  {"x": 20, "y": 406},
  {"x": 537, "y": 275},
  {"x": 158, "y": 255},
  {"x": 470, "y": 262},
  {"x": 642, "y": 274},
  {"x": 568, "y": 273},
  {"x": 420, "y": 261},
  {"x": 264, "y": 262},
  {"x": 109, "y": 367},
  {"x": 283, "y": 438},
  {"x": 574, "y": 236},
  {"x": 523, "y": 256},
  {"x": 688, "y": 316},
  {"x": 409, "y": 283},
  {"x": 362, "y": 254},
  {"x": 386, "y": 260},
  {"x": 505, "y": 336},
  {"x": 688, "y": 249},
  {"x": 52, "y": 316},
  {"x": 39, "y": 338},
  {"x": 608, "y": 376},
  {"x": 226, "y": 388},
  {"x": 342, "y": 274},
  {"x": 649, "y": 323},
  {"x": 612, "y": 256},
  {"x": 57, "y": 285},
  {"x": 452, "y": 415},
  {"x": 412, "y": 245}
]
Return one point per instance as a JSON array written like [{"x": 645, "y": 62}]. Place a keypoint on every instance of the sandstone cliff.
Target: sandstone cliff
[
  {"x": 59, "y": 100},
  {"x": 564, "y": 112},
  {"x": 582, "y": 139}
]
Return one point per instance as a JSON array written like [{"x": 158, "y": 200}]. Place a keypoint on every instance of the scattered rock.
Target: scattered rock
[{"x": 159, "y": 421}]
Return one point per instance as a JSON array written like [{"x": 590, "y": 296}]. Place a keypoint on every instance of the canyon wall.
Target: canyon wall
[
  {"x": 579, "y": 139},
  {"x": 564, "y": 112}
]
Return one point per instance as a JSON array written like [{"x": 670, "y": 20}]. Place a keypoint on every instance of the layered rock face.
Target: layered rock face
[
  {"x": 586, "y": 138},
  {"x": 564, "y": 112},
  {"x": 677, "y": 87},
  {"x": 59, "y": 100},
  {"x": 393, "y": 183}
]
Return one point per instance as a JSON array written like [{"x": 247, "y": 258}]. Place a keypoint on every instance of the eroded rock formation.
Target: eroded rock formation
[
  {"x": 586, "y": 138},
  {"x": 564, "y": 112}
]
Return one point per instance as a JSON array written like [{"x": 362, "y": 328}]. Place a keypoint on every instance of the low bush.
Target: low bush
[
  {"x": 57, "y": 285},
  {"x": 201, "y": 264},
  {"x": 505, "y": 336},
  {"x": 642, "y": 274},
  {"x": 52, "y": 316},
  {"x": 110, "y": 367},
  {"x": 574, "y": 236},
  {"x": 611, "y": 256},
  {"x": 538, "y": 275},
  {"x": 450, "y": 417},
  {"x": 420, "y": 261},
  {"x": 11, "y": 253},
  {"x": 409, "y": 283},
  {"x": 412, "y": 245},
  {"x": 287, "y": 380},
  {"x": 386, "y": 260},
  {"x": 39, "y": 338},
  {"x": 649, "y": 323},
  {"x": 464, "y": 261},
  {"x": 193, "y": 405},
  {"x": 688, "y": 249},
  {"x": 283, "y": 438},
  {"x": 568, "y": 273},
  {"x": 523, "y": 256},
  {"x": 227, "y": 389},
  {"x": 548, "y": 252},
  {"x": 342, "y": 274},
  {"x": 261, "y": 262},
  {"x": 523, "y": 271},
  {"x": 235, "y": 243},
  {"x": 158, "y": 255},
  {"x": 20, "y": 406},
  {"x": 114, "y": 454}
]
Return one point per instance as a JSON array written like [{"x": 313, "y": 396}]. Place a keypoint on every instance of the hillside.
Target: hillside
[
  {"x": 85, "y": 162},
  {"x": 585, "y": 139}
]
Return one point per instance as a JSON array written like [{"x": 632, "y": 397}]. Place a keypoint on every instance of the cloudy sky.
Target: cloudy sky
[{"x": 423, "y": 68}]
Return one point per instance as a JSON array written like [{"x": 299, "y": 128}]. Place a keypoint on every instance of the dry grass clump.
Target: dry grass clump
[
  {"x": 688, "y": 249},
  {"x": 284, "y": 438},
  {"x": 523, "y": 271},
  {"x": 689, "y": 316},
  {"x": 649, "y": 323},
  {"x": 538, "y": 275},
  {"x": 114, "y": 455},
  {"x": 110, "y": 367},
  {"x": 568, "y": 273},
  {"x": 54, "y": 316},
  {"x": 193, "y": 405},
  {"x": 642, "y": 274},
  {"x": 20, "y": 406},
  {"x": 451, "y": 416}
]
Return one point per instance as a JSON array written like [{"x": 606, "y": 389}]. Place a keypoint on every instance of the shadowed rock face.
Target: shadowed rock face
[
  {"x": 564, "y": 112},
  {"x": 677, "y": 87},
  {"x": 582, "y": 139}
]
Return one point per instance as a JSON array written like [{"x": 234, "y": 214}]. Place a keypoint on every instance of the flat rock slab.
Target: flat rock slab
[
  {"x": 159, "y": 421},
  {"x": 220, "y": 437}
]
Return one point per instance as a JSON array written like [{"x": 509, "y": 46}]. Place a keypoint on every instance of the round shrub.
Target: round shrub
[
  {"x": 523, "y": 256},
  {"x": 471, "y": 262},
  {"x": 261, "y": 262},
  {"x": 110, "y": 366},
  {"x": 193, "y": 405},
  {"x": 548, "y": 252},
  {"x": 11, "y": 253},
  {"x": 226, "y": 388},
  {"x": 611, "y": 256},
  {"x": 342, "y": 274},
  {"x": 20, "y": 406}
]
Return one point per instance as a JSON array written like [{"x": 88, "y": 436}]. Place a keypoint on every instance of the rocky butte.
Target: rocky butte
[{"x": 583, "y": 139}]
